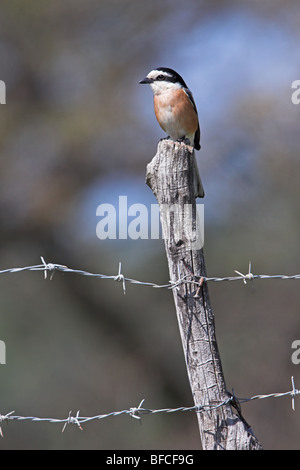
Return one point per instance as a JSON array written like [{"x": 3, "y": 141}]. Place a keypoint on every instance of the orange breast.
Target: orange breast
[{"x": 175, "y": 113}]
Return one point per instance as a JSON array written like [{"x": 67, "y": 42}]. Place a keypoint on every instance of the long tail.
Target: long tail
[{"x": 199, "y": 190}]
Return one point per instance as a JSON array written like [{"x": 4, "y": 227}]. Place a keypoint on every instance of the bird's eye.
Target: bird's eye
[{"x": 160, "y": 77}]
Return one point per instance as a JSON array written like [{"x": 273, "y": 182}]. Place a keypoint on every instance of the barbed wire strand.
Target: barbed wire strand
[
  {"x": 137, "y": 412},
  {"x": 50, "y": 268}
]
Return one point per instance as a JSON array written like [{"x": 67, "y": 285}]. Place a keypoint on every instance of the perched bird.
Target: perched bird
[{"x": 175, "y": 111}]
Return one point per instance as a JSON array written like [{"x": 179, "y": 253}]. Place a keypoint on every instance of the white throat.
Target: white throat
[{"x": 164, "y": 86}]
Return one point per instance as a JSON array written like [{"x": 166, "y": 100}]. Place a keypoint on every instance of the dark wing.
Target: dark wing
[
  {"x": 191, "y": 98},
  {"x": 197, "y": 133}
]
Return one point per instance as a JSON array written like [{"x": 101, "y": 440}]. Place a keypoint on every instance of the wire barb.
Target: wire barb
[
  {"x": 72, "y": 420},
  {"x": 120, "y": 278},
  {"x": 246, "y": 277},
  {"x": 293, "y": 393},
  {"x": 52, "y": 267},
  {"x": 136, "y": 412},
  {"x": 4, "y": 418}
]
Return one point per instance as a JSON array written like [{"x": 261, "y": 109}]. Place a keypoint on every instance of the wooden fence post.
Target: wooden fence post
[{"x": 170, "y": 175}]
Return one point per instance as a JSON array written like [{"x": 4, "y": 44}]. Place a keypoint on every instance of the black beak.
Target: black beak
[{"x": 145, "y": 80}]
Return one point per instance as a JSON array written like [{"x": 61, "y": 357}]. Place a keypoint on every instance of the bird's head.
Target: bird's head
[{"x": 163, "y": 79}]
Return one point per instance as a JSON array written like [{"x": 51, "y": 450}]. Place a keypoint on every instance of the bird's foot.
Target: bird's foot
[
  {"x": 164, "y": 138},
  {"x": 185, "y": 140}
]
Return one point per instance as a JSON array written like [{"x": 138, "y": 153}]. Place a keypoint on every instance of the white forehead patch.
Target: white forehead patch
[
  {"x": 162, "y": 86},
  {"x": 155, "y": 73}
]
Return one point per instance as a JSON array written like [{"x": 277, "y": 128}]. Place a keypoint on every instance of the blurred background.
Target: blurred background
[{"x": 78, "y": 131}]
